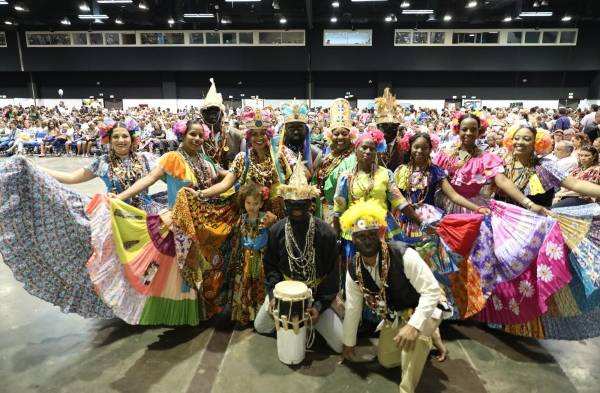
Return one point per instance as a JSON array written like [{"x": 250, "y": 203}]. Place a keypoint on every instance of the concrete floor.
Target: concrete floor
[{"x": 43, "y": 350}]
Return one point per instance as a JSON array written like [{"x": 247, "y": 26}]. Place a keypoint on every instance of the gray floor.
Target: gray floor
[{"x": 43, "y": 350}]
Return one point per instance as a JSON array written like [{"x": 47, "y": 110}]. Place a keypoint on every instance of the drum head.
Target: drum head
[{"x": 291, "y": 290}]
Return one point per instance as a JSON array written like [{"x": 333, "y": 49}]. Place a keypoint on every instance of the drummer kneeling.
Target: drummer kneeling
[{"x": 398, "y": 285}]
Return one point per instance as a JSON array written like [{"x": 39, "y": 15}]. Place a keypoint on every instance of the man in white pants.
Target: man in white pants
[
  {"x": 303, "y": 248},
  {"x": 395, "y": 283}
]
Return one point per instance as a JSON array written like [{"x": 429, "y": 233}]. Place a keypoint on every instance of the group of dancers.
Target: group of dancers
[{"x": 381, "y": 218}]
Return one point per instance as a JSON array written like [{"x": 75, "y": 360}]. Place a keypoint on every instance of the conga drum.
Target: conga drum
[{"x": 292, "y": 300}]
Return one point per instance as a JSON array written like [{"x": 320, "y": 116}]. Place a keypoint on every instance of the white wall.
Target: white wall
[
  {"x": 153, "y": 103},
  {"x": 526, "y": 103}
]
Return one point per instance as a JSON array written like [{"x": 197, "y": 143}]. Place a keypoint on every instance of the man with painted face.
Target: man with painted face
[
  {"x": 396, "y": 284},
  {"x": 311, "y": 244},
  {"x": 387, "y": 117},
  {"x": 295, "y": 134},
  {"x": 224, "y": 144}
]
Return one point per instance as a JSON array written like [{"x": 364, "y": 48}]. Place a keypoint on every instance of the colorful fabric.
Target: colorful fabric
[
  {"x": 418, "y": 187},
  {"x": 382, "y": 189},
  {"x": 524, "y": 298},
  {"x": 179, "y": 174},
  {"x": 246, "y": 269},
  {"x": 134, "y": 269},
  {"x": 202, "y": 227},
  {"x": 327, "y": 184},
  {"x": 44, "y": 239},
  {"x": 469, "y": 178}
]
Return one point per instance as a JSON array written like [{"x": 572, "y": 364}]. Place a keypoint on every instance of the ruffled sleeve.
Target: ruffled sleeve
[
  {"x": 437, "y": 175},
  {"x": 479, "y": 170},
  {"x": 99, "y": 166},
  {"x": 394, "y": 196},
  {"x": 173, "y": 164},
  {"x": 442, "y": 159}
]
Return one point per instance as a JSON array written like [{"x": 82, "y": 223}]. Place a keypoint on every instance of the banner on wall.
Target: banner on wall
[
  {"x": 93, "y": 102},
  {"x": 472, "y": 105}
]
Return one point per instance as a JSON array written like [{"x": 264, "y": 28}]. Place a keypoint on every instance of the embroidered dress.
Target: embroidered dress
[
  {"x": 326, "y": 179},
  {"x": 44, "y": 238},
  {"x": 246, "y": 268},
  {"x": 471, "y": 177}
]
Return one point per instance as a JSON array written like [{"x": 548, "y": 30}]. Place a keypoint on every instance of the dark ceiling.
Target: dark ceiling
[{"x": 302, "y": 14}]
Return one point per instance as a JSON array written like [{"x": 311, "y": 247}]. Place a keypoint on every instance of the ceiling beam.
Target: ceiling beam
[{"x": 309, "y": 14}]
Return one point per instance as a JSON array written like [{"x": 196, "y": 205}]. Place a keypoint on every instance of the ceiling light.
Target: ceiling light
[
  {"x": 65, "y": 22},
  {"x": 93, "y": 16},
  {"x": 171, "y": 21},
  {"x": 3, "y": 2},
  {"x": 142, "y": 6},
  {"x": 115, "y": 1},
  {"x": 275, "y": 5},
  {"x": 471, "y": 4},
  {"x": 7, "y": 22},
  {"x": 20, "y": 8},
  {"x": 536, "y": 4},
  {"x": 198, "y": 15},
  {"x": 333, "y": 19},
  {"x": 98, "y": 21},
  {"x": 566, "y": 18},
  {"x": 544, "y": 3},
  {"x": 447, "y": 18},
  {"x": 535, "y": 14},
  {"x": 335, "y": 4},
  {"x": 225, "y": 20},
  {"x": 118, "y": 21},
  {"x": 84, "y": 7},
  {"x": 405, "y": 4},
  {"x": 388, "y": 18},
  {"x": 417, "y": 12},
  {"x": 507, "y": 19},
  {"x": 282, "y": 20}
]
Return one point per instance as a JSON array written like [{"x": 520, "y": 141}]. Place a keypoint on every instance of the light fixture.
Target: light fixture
[
  {"x": 404, "y": 4},
  {"x": 98, "y": 21},
  {"x": 84, "y": 7},
  {"x": 473, "y": 97},
  {"x": 536, "y": 4},
  {"x": 454, "y": 97},
  {"x": 282, "y": 20},
  {"x": 114, "y": 1},
  {"x": 544, "y": 3},
  {"x": 118, "y": 21},
  {"x": 65, "y": 22},
  {"x": 275, "y": 5},
  {"x": 142, "y": 6},
  {"x": 8, "y": 22},
  {"x": 225, "y": 20},
  {"x": 171, "y": 21},
  {"x": 431, "y": 18},
  {"x": 333, "y": 19},
  {"x": 335, "y": 4},
  {"x": 471, "y": 4},
  {"x": 566, "y": 18},
  {"x": 198, "y": 15},
  {"x": 93, "y": 16},
  {"x": 507, "y": 19},
  {"x": 417, "y": 12},
  {"x": 447, "y": 18},
  {"x": 20, "y": 8},
  {"x": 525, "y": 14},
  {"x": 3, "y": 2},
  {"x": 388, "y": 18}
]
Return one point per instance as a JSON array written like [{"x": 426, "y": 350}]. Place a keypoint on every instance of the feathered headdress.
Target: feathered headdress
[
  {"x": 386, "y": 108},
  {"x": 298, "y": 187},
  {"x": 543, "y": 140},
  {"x": 364, "y": 215}
]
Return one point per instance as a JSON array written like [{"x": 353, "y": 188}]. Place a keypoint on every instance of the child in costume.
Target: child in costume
[{"x": 249, "y": 242}]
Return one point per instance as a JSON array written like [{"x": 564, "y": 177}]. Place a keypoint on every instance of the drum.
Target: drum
[{"x": 292, "y": 299}]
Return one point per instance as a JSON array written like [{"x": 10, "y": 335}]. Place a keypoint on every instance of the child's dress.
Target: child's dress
[{"x": 248, "y": 285}]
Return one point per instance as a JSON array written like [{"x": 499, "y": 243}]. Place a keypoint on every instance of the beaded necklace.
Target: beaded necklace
[
  {"x": 262, "y": 173},
  {"x": 301, "y": 262},
  {"x": 375, "y": 300},
  {"x": 418, "y": 182},
  {"x": 366, "y": 191},
  {"x": 123, "y": 172},
  {"x": 201, "y": 168},
  {"x": 328, "y": 166}
]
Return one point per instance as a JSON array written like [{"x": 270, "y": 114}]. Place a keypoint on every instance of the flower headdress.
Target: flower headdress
[
  {"x": 377, "y": 136},
  {"x": 455, "y": 122},
  {"x": 180, "y": 128},
  {"x": 543, "y": 140},
  {"x": 362, "y": 216},
  {"x": 405, "y": 141},
  {"x": 108, "y": 124}
]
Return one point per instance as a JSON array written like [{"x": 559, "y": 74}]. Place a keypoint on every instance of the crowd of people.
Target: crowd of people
[{"x": 417, "y": 214}]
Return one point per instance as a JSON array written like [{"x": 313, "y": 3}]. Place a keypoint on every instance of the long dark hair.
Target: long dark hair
[{"x": 593, "y": 151}]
